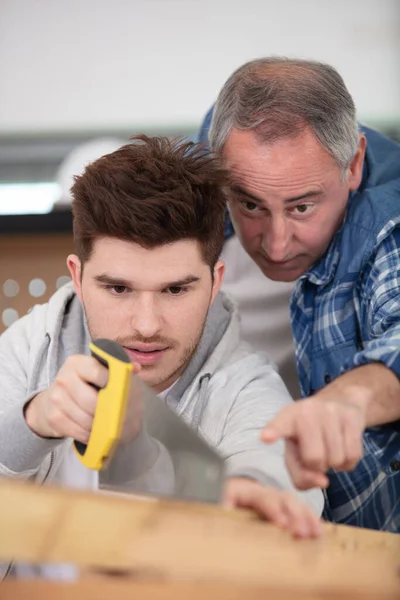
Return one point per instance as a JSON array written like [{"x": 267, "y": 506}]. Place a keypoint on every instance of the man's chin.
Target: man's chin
[
  {"x": 282, "y": 277},
  {"x": 283, "y": 273},
  {"x": 158, "y": 380}
]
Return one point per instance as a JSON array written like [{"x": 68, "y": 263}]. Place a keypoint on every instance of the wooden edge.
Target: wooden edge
[
  {"x": 169, "y": 542},
  {"x": 116, "y": 589}
]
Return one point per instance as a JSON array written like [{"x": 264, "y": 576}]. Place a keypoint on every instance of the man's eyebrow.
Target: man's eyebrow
[
  {"x": 111, "y": 280},
  {"x": 304, "y": 196},
  {"x": 107, "y": 279},
  {"x": 181, "y": 282},
  {"x": 239, "y": 190}
]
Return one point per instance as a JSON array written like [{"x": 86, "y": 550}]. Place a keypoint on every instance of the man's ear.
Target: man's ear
[
  {"x": 75, "y": 268},
  {"x": 355, "y": 170},
  {"x": 219, "y": 272}
]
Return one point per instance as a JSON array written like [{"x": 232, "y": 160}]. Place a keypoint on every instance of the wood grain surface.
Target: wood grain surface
[
  {"x": 131, "y": 590},
  {"x": 170, "y": 544}
]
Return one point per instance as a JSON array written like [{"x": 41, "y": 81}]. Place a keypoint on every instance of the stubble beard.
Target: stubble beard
[{"x": 184, "y": 359}]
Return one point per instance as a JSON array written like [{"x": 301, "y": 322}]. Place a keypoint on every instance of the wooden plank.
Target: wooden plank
[
  {"x": 129, "y": 590},
  {"x": 188, "y": 542}
]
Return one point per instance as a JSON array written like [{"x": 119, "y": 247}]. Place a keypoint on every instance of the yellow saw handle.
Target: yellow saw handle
[{"x": 111, "y": 405}]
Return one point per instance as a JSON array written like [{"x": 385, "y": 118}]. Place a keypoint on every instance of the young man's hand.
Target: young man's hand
[
  {"x": 320, "y": 434},
  {"x": 67, "y": 407},
  {"x": 282, "y": 508}
]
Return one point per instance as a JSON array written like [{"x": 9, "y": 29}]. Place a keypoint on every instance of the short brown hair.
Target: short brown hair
[{"x": 153, "y": 191}]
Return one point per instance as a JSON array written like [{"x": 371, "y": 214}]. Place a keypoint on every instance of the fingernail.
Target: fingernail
[
  {"x": 316, "y": 531},
  {"x": 302, "y": 531},
  {"x": 268, "y": 434},
  {"x": 282, "y": 522}
]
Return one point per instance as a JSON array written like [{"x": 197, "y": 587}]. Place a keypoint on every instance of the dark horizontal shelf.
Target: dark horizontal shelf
[{"x": 54, "y": 222}]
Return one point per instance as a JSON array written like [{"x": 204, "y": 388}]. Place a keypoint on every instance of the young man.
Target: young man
[
  {"x": 148, "y": 229},
  {"x": 316, "y": 199}
]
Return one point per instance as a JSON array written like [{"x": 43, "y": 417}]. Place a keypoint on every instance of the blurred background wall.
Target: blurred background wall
[
  {"x": 79, "y": 66},
  {"x": 76, "y": 70},
  {"x": 71, "y": 70}
]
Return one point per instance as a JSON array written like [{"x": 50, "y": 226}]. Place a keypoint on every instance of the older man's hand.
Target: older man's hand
[
  {"x": 320, "y": 434},
  {"x": 282, "y": 508}
]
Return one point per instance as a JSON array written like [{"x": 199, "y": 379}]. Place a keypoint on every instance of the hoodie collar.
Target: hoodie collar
[{"x": 217, "y": 323}]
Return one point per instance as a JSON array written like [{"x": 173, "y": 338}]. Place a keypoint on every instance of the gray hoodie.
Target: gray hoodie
[{"x": 227, "y": 394}]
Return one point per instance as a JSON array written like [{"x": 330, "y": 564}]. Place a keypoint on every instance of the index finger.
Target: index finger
[
  {"x": 282, "y": 426},
  {"x": 89, "y": 370}
]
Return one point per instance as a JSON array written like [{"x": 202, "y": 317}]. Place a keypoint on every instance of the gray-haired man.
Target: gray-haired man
[{"x": 317, "y": 199}]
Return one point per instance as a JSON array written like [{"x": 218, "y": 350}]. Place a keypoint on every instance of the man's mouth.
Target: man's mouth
[
  {"x": 282, "y": 264},
  {"x": 146, "y": 354}
]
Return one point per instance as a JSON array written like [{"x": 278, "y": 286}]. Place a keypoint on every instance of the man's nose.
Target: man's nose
[
  {"x": 277, "y": 239},
  {"x": 146, "y": 319}
]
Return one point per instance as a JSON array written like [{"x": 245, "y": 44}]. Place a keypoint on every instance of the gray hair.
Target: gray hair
[{"x": 278, "y": 97}]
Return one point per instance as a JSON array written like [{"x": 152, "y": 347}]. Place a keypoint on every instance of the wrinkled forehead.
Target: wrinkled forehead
[{"x": 299, "y": 161}]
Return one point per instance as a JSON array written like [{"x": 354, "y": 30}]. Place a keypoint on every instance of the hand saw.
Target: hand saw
[{"x": 186, "y": 466}]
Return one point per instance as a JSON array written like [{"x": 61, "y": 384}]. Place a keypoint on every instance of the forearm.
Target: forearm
[
  {"x": 21, "y": 450},
  {"x": 374, "y": 388},
  {"x": 247, "y": 467}
]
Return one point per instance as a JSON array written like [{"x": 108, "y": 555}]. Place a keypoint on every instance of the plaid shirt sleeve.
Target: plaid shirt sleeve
[{"x": 378, "y": 305}]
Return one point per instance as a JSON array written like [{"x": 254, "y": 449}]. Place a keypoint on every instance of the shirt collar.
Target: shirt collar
[{"x": 323, "y": 271}]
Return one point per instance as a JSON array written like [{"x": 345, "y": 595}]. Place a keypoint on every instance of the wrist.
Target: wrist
[
  {"x": 30, "y": 415},
  {"x": 359, "y": 396},
  {"x": 348, "y": 394}
]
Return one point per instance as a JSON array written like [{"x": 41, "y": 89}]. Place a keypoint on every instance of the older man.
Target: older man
[{"x": 317, "y": 199}]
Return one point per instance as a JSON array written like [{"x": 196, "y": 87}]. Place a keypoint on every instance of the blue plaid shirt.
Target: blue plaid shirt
[{"x": 346, "y": 312}]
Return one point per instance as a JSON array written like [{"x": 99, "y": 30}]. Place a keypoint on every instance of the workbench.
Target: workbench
[{"x": 146, "y": 548}]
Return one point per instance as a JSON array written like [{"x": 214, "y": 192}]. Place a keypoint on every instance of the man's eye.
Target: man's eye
[
  {"x": 117, "y": 290},
  {"x": 176, "y": 290},
  {"x": 248, "y": 205},
  {"x": 302, "y": 208}
]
